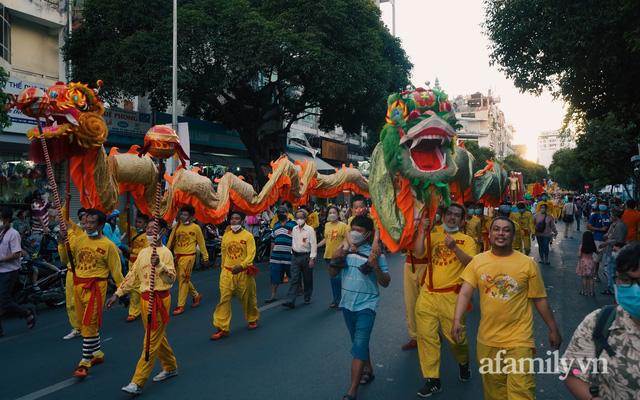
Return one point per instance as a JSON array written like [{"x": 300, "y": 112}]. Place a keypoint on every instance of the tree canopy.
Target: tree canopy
[
  {"x": 567, "y": 170},
  {"x": 256, "y": 66},
  {"x": 480, "y": 155},
  {"x": 5, "y": 100}
]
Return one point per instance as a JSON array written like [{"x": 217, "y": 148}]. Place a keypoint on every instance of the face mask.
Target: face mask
[
  {"x": 236, "y": 228},
  {"x": 602, "y": 207},
  {"x": 448, "y": 229},
  {"x": 438, "y": 217},
  {"x": 93, "y": 234},
  {"x": 521, "y": 210},
  {"x": 629, "y": 299},
  {"x": 515, "y": 210},
  {"x": 614, "y": 254},
  {"x": 282, "y": 217},
  {"x": 140, "y": 230},
  {"x": 300, "y": 221},
  {"x": 151, "y": 238},
  {"x": 332, "y": 217},
  {"x": 356, "y": 238}
]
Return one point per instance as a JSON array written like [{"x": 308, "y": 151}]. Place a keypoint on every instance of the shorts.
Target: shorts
[
  {"x": 277, "y": 271},
  {"x": 360, "y": 325}
]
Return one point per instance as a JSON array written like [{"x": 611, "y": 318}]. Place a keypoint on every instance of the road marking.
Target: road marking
[
  {"x": 107, "y": 339},
  {"x": 49, "y": 389},
  {"x": 272, "y": 305}
]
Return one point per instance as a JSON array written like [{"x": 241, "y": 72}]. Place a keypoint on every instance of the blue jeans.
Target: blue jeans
[
  {"x": 578, "y": 218},
  {"x": 610, "y": 262},
  {"x": 543, "y": 246},
  {"x": 360, "y": 325}
]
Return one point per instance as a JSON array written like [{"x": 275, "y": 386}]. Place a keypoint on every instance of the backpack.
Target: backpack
[
  {"x": 600, "y": 335},
  {"x": 542, "y": 225}
]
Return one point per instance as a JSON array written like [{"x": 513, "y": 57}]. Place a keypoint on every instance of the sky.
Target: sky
[{"x": 444, "y": 39}]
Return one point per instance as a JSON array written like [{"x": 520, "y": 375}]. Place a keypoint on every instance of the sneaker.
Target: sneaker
[
  {"x": 196, "y": 300},
  {"x": 410, "y": 345},
  {"x": 81, "y": 372},
  {"x": 73, "y": 334},
  {"x": 431, "y": 386},
  {"x": 132, "y": 388},
  {"x": 179, "y": 310},
  {"x": 289, "y": 305},
  {"x": 163, "y": 375},
  {"x": 464, "y": 372},
  {"x": 307, "y": 300},
  {"x": 253, "y": 325},
  {"x": 131, "y": 318},
  {"x": 219, "y": 335}
]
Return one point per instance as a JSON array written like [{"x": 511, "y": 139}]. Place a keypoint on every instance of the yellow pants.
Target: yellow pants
[
  {"x": 70, "y": 302},
  {"x": 185, "y": 287},
  {"x": 82, "y": 301},
  {"x": 134, "y": 299},
  {"x": 411, "y": 281},
  {"x": 499, "y": 386},
  {"x": 159, "y": 348},
  {"x": 434, "y": 314},
  {"x": 241, "y": 286},
  {"x": 526, "y": 239}
]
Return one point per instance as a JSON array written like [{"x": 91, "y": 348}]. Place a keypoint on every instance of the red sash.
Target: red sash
[
  {"x": 95, "y": 299},
  {"x": 158, "y": 306}
]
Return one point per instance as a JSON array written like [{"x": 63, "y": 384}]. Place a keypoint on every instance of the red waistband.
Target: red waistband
[
  {"x": 251, "y": 270},
  {"x": 95, "y": 299},
  {"x": 158, "y": 307}
]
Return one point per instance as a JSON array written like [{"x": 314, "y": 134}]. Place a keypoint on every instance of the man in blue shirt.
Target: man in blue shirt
[
  {"x": 359, "y": 299},
  {"x": 598, "y": 223},
  {"x": 280, "y": 261}
]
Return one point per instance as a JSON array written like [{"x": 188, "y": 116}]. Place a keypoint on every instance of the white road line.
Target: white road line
[
  {"x": 49, "y": 389},
  {"x": 272, "y": 305}
]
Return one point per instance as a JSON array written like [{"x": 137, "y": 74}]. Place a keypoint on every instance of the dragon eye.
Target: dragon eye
[{"x": 53, "y": 94}]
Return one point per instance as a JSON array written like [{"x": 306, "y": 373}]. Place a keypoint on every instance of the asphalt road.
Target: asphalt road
[{"x": 294, "y": 354}]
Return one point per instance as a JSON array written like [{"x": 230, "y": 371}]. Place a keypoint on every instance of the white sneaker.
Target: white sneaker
[
  {"x": 73, "y": 334},
  {"x": 165, "y": 375},
  {"x": 132, "y": 388}
]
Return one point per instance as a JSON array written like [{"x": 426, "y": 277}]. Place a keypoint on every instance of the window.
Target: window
[{"x": 6, "y": 33}]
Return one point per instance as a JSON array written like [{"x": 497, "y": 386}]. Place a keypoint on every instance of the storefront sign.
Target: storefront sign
[
  {"x": 20, "y": 123},
  {"x": 127, "y": 123}
]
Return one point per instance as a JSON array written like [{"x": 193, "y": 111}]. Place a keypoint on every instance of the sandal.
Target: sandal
[
  {"x": 31, "y": 319},
  {"x": 367, "y": 377}
]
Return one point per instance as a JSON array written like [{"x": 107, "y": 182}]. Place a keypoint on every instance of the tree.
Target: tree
[
  {"x": 5, "y": 100},
  {"x": 256, "y": 66},
  {"x": 480, "y": 155},
  {"x": 567, "y": 170},
  {"x": 531, "y": 172}
]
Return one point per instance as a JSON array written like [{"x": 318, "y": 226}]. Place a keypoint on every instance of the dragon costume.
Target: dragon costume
[
  {"x": 419, "y": 165},
  {"x": 76, "y": 130}
]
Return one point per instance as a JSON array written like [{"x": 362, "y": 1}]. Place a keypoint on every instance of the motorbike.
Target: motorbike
[
  {"x": 213, "y": 242},
  {"x": 39, "y": 282},
  {"x": 263, "y": 242}
]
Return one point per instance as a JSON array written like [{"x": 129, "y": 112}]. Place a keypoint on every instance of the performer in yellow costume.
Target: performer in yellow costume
[
  {"x": 524, "y": 218},
  {"x": 451, "y": 251},
  {"x": 95, "y": 257},
  {"x": 70, "y": 303},
  {"x": 313, "y": 219},
  {"x": 182, "y": 242},
  {"x": 137, "y": 242},
  {"x": 237, "y": 277},
  {"x": 138, "y": 279},
  {"x": 473, "y": 226}
]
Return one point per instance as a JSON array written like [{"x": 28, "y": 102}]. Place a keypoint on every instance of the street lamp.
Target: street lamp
[{"x": 393, "y": 14}]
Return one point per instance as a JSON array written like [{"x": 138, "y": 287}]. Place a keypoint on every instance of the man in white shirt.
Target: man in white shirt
[{"x": 304, "y": 250}]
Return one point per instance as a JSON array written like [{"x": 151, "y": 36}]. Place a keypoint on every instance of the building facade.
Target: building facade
[
  {"x": 549, "y": 142},
  {"x": 483, "y": 122}
]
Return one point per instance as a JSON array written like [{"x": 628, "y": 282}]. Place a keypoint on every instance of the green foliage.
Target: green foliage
[
  {"x": 249, "y": 64},
  {"x": 5, "y": 99},
  {"x": 480, "y": 155},
  {"x": 531, "y": 172},
  {"x": 567, "y": 170}
]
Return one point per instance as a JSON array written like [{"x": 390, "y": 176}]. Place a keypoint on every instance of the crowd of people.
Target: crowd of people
[{"x": 463, "y": 247}]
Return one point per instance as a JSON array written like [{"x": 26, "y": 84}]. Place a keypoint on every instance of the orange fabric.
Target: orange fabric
[
  {"x": 158, "y": 307},
  {"x": 95, "y": 300},
  {"x": 81, "y": 168},
  {"x": 404, "y": 202}
]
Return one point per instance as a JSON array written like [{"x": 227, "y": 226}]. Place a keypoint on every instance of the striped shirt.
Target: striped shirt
[
  {"x": 282, "y": 239},
  {"x": 39, "y": 216}
]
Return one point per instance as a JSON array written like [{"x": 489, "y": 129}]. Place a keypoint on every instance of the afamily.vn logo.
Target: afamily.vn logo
[{"x": 554, "y": 364}]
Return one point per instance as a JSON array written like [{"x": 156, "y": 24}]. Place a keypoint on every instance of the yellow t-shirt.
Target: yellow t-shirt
[
  {"x": 517, "y": 238},
  {"x": 94, "y": 258},
  {"x": 184, "y": 238},
  {"x": 445, "y": 266},
  {"x": 238, "y": 249},
  {"x": 138, "y": 276},
  {"x": 138, "y": 241},
  {"x": 334, "y": 235},
  {"x": 313, "y": 220},
  {"x": 506, "y": 285},
  {"x": 525, "y": 219},
  {"x": 274, "y": 219},
  {"x": 473, "y": 228}
]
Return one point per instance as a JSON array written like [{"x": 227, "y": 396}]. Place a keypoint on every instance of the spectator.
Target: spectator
[
  {"x": 280, "y": 260},
  {"x": 617, "y": 342},
  {"x": 22, "y": 224},
  {"x": 10, "y": 253},
  {"x": 545, "y": 229},
  {"x": 335, "y": 233},
  {"x": 617, "y": 233},
  {"x": 304, "y": 249},
  {"x": 359, "y": 298},
  {"x": 631, "y": 219},
  {"x": 568, "y": 215},
  {"x": 39, "y": 216},
  {"x": 586, "y": 265},
  {"x": 598, "y": 223}
]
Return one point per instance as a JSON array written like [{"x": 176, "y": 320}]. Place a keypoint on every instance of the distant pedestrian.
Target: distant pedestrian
[
  {"x": 304, "y": 249},
  {"x": 631, "y": 218},
  {"x": 586, "y": 264},
  {"x": 545, "y": 227},
  {"x": 598, "y": 223},
  {"x": 617, "y": 233},
  {"x": 568, "y": 216}
]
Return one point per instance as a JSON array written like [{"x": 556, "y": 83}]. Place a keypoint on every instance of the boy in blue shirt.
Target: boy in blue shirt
[
  {"x": 598, "y": 223},
  {"x": 360, "y": 295}
]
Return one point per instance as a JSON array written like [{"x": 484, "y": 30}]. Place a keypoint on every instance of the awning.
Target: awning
[
  {"x": 231, "y": 161},
  {"x": 321, "y": 165}
]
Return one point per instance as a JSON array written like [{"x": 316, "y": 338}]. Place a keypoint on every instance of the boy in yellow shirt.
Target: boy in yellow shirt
[
  {"x": 137, "y": 242},
  {"x": 95, "y": 258},
  {"x": 508, "y": 283},
  {"x": 138, "y": 278},
  {"x": 237, "y": 277},
  {"x": 182, "y": 242},
  {"x": 335, "y": 232}
]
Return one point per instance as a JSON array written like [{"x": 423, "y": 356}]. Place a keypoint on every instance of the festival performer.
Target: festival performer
[
  {"x": 70, "y": 304},
  {"x": 182, "y": 242},
  {"x": 313, "y": 219},
  {"x": 524, "y": 218},
  {"x": 237, "y": 277},
  {"x": 138, "y": 279},
  {"x": 473, "y": 227},
  {"x": 451, "y": 251},
  {"x": 137, "y": 242},
  {"x": 95, "y": 258},
  {"x": 335, "y": 232}
]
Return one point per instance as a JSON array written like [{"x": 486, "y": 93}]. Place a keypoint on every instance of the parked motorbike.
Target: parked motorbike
[
  {"x": 263, "y": 242},
  {"x": 39, "y": 282}
]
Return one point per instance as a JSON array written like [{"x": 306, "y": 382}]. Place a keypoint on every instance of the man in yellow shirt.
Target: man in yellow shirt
[
  {"x": 524, "y": 218},
  {"x": 182, "y": 242},
  {"x": 137, "y": 242},
  {"x": 508, "y": 282},
  {"x": 138, "y": 278},
  {"x": 451, "y": 251},
  {"x": 95, "y": 257},
  {"x": 237, "y": 277},
  {"x": 335, "y": 232},
  {"x": 313, "y": 219}
]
